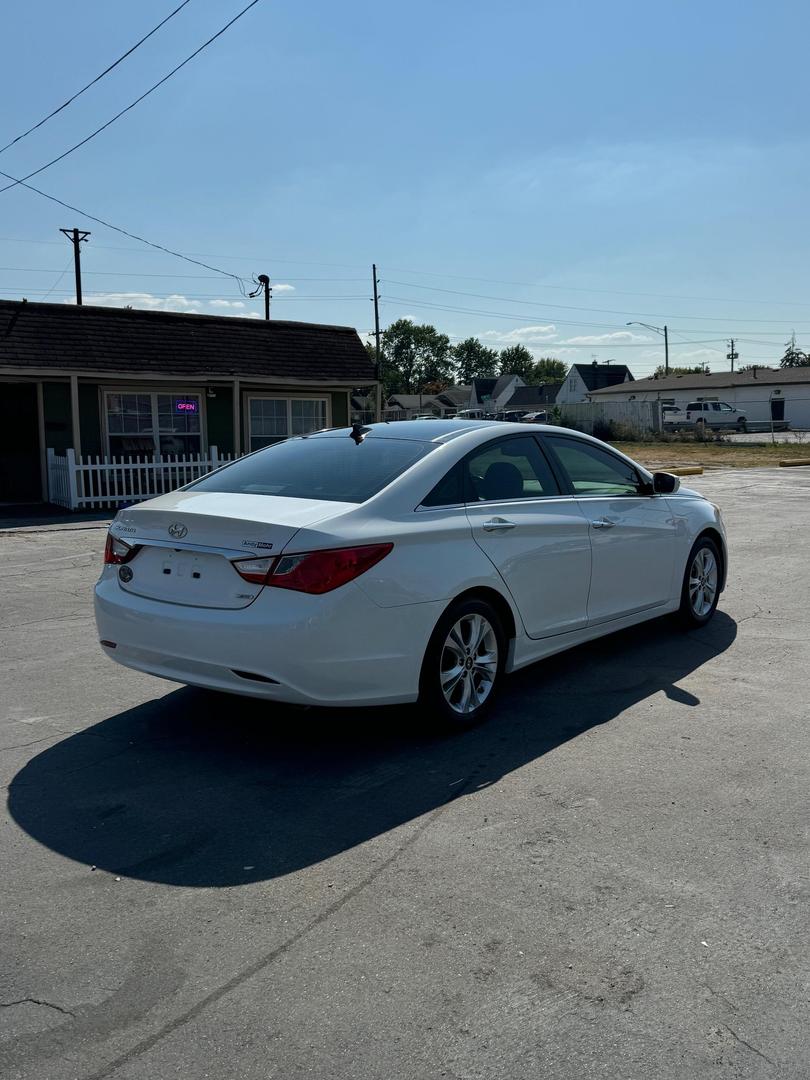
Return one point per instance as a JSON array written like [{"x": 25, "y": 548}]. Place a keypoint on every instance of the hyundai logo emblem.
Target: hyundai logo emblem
[
  {"x": 178, "y": 531},
  {"x": 125, "y": 573}
]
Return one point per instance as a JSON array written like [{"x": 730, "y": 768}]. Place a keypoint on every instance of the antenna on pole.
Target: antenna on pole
[
  {"x": 77, "y": 237},
  {"x": 263, "y": 282}
]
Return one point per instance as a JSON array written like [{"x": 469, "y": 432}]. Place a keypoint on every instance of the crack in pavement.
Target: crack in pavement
[
  {"x": 35, "y": 1001},
  {"x": 743, "y": 1042}
]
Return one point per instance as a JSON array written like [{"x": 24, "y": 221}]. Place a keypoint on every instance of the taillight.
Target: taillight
[
  {"x": 322, "y": 571},
  {"x": 117, "y": 551},
  {"x": 253, "y": 570},
  {"x": 313, "y": 571}
]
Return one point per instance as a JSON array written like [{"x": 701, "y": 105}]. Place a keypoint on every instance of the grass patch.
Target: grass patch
[{"x": 670, "y": 455}]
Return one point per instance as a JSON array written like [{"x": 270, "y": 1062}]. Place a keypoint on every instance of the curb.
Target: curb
[
  {"x": 790, "y": 462},
  {"x": 686, "y": 470}
]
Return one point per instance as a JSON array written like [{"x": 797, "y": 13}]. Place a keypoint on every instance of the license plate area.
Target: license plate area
[{"x": 186, "y": 576}]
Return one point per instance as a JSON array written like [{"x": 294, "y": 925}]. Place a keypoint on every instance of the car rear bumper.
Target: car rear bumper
[{"x": 335, "y": 649}]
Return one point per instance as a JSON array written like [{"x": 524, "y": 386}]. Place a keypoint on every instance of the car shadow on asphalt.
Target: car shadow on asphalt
[{"x": 198, "y": 789}]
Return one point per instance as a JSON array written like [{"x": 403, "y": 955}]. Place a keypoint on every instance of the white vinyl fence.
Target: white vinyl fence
[
  {"x": 638, "y": 416},
  {"x": 95, "y": 482}
]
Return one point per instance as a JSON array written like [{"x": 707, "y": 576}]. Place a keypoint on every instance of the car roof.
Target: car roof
[{"x": 415, "y": 430}]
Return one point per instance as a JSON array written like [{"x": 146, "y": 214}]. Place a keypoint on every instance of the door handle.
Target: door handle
[
  {"x": 603, "y": 523},
  {"x": 498, "y": 525}
]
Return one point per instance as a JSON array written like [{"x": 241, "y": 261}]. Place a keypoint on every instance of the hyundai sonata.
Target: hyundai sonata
[{"x": 402, "y": 562}]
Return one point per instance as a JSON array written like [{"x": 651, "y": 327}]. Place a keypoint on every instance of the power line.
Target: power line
[
  {"x": 135, "y": 273},
  {"x": 132, "y": 104},
  {"x": 93, "y": 82},
  {"x": 569, "y": 307},
  {"x": 125, "y": 232},
  {"x": 407, "y": 301}
]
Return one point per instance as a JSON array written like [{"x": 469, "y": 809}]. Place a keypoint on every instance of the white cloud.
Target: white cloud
[
  {"x": 176, "y": 302},
  {"x": 617, "y": 337},
  {"x": 283, "y": 288},
  {"x": 522, "y": 335}
]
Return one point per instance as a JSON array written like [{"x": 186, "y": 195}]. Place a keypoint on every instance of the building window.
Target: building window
[
  {"x": 271, "y": 419},
  {"x": 153, "y": 423}
]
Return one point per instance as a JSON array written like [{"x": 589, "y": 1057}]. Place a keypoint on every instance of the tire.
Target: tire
[
  {"x": 742, "y": 426},
  {"x": 699, "y": 602},
  {"x": 468, "y": 629}
]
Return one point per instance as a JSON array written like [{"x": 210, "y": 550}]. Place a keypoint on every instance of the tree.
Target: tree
[
  {"x": 548, "y": 369},
  {"x": 516, "y": 360},
  {"x": 660, "y": 372},
  {"x": 413, "y": 357},
  {"x": 794, "y": 357},
  {"x": 472, "y": 360}
]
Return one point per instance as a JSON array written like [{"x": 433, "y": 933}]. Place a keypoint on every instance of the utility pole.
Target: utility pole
[
  {"x": 378, "y": 355},
  {"x": 666, "y": 351},
  {"x": 658, "y": 330},
  {"x": 263, "y": 283},
  {"x": 731, "y": 355},
  {"x": 76, "y": 237}
]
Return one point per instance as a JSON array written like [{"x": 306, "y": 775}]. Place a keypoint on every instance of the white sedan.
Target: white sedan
[{"x": 396, "y": 562}]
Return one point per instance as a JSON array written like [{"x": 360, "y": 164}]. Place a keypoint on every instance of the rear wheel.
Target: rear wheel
[
  {"x": 701, "y": 584},
  {"x": 463, "y": 664},
  {"x": 742, "y": 426}
]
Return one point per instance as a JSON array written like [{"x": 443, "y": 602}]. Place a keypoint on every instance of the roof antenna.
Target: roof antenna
[{"x": 358, "y": 433}]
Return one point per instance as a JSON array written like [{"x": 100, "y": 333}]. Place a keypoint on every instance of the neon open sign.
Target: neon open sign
[{"x": 186, "y": 405}]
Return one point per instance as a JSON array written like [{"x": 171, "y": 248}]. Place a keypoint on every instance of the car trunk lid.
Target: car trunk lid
[{"x": 187, "y": 542}]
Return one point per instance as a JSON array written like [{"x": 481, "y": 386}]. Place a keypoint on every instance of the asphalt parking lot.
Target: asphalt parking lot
[{"x": 608, "y": 880}]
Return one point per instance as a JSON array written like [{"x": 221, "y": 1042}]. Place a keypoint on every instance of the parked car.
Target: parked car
[
  {"x": 705, "y": 414},
  {"x": 425, "y": 416},
  {"x": 402, "y": 562},
  {"x": 539, "y": 417}
]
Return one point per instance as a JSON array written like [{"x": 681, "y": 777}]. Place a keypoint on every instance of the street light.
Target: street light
[{"x": 658, "y": 330}]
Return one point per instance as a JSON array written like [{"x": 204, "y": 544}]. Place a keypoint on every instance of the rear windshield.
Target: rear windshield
[{"x": 334, "y": 469}]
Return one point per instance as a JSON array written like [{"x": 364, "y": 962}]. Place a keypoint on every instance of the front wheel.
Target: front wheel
[
  {"x": 742, "y": 426},
  {"x": 701, "y": 584},
  {"x": 463, "y": 664}
]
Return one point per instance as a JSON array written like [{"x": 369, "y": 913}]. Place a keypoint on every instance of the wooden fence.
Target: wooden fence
[{"x": 94, "y": 482}]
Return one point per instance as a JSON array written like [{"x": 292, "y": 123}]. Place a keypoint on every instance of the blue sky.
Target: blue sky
[{"x": 520, "y": 171}]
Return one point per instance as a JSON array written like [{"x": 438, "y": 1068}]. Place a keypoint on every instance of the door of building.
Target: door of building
[
  {"x": 777, "y": 408},
  {"x": 19, "y": 443}
]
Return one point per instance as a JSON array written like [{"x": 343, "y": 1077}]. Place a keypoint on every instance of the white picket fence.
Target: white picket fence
[
  {"x": 94, "y": 482},
  {"x": 639, "y": 416}
]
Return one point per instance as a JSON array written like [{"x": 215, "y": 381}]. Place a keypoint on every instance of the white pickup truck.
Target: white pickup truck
[{"x": 705, "y": 414}]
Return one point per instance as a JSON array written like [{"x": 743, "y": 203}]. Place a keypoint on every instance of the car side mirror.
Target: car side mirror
[{"x": 665, "y": 483}]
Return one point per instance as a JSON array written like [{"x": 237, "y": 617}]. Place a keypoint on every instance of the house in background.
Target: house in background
[
  {"x": 584, "y": 379},
  {"x": 764, "y": 394},
  {"x": 115, "y": 381},
  {"x": 526, "y": 399},
  {"x": 492, "y": 394}
]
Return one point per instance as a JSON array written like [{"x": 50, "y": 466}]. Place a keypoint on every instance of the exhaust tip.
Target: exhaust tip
[{"x": 108, "y": 644}]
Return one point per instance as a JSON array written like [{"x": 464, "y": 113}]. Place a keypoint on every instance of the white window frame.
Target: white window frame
[
  {"x": 250, "y": 395},
  {"x": 153, "y": 391}
]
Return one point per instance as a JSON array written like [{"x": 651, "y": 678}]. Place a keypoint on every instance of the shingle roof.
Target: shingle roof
[
  {"x": 483, "y": 388},
  {"x": 689, "y": 383},
  {"x": 596, "y": 376},
  {"x": 108, "y": 340},
  {"x": 527, "y": 396}
]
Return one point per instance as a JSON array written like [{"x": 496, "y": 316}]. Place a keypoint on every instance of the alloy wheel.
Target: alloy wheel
[
  {"x": 469, "y": 663},
  {"x": 703, "y": 582}
]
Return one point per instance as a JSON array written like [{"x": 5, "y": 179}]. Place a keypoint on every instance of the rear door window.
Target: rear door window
[{"x": 509, "y": 469}]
